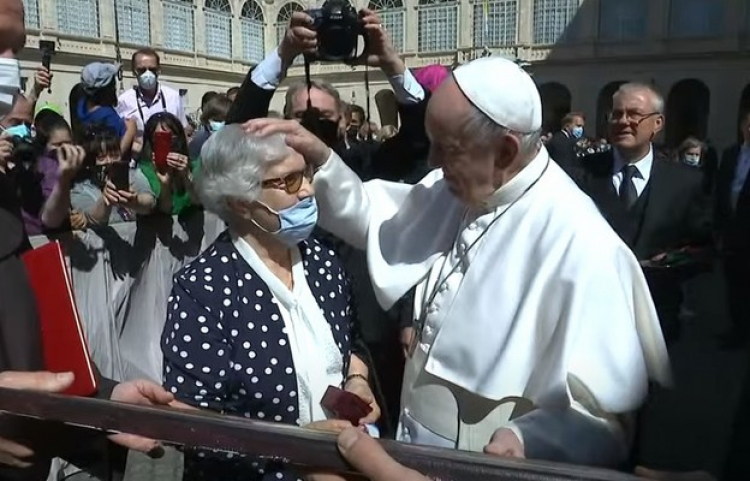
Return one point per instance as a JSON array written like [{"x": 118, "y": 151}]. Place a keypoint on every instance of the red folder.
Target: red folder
[{"x": 63, "y": 340}]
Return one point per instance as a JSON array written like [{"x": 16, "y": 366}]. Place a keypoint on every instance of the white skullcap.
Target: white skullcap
[{"x": 503, "y": 91}]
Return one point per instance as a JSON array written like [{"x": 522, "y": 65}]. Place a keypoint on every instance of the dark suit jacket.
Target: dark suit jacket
[
  {"x": 675, "y": 212},
  {"x": 672, "y": 212},
  {"x": 562, "y": 149},
  {"x": 732, "y": 225}
]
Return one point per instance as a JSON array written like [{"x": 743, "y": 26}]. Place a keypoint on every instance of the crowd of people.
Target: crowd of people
[{"x": 478, "y": 284}]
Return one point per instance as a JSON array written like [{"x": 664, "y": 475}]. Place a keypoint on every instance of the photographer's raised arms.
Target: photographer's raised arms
[{"x": 319, "y": 104}]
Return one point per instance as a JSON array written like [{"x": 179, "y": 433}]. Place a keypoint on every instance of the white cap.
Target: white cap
[{"x": 503, "y": 91}]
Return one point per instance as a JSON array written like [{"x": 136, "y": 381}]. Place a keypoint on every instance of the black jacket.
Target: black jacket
[{"x": 732, "y": 223}]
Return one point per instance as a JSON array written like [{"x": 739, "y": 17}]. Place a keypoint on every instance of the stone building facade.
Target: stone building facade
[{"x": 694, "y": 51}]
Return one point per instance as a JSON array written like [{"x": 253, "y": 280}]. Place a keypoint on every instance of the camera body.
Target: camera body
[
  {"x": 338, "y": 26},
  {"x": 24, "y": 151}
]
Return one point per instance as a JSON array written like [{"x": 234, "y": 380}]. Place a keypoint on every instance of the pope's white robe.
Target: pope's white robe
[{"x": 549, "y": 306}]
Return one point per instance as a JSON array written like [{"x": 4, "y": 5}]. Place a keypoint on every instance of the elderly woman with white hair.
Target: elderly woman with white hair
[{"x": 261, "y": 323}]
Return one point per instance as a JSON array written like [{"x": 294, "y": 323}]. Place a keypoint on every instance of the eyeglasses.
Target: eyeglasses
[
  {"x": 631, "y": 117},
  {"x": 291, "y": 183}
]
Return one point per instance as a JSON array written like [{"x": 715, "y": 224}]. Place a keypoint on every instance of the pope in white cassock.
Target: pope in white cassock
[{"x": 537, "y": 335}]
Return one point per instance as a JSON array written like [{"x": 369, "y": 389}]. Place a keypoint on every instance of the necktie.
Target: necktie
[{"x": 627, "y": 193}]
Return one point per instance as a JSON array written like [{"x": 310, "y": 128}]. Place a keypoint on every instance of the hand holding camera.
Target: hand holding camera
[
  {"x": 69, "y": 160},
  {"x": 299, "y": 39},
  {"x": 6, "y": 150},
  {"x": 331, "y": 34}
]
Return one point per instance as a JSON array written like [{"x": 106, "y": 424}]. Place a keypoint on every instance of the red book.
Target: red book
[{"x": 63, "y": 340}]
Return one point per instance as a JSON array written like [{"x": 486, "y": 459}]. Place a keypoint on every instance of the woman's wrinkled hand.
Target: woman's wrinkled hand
[{"x": 361, "y": 388}]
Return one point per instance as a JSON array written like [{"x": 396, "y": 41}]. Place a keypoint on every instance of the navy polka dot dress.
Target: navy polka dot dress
[{"x": 226, "y": 348}]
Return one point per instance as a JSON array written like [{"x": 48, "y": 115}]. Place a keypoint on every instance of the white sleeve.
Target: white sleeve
[
  {"x": 342, "y": 201},
  {"x": 580, "y": 434},
  {"x": 406, "y": 88},
  {"x": 269, "y": 73}
]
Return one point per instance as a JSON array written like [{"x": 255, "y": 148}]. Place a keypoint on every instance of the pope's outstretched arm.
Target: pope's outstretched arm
[{"x": 346, "y": 205}]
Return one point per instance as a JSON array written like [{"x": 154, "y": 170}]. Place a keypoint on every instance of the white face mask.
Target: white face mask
[
  {"x": 10, "y": 84},
  {"x": 692, "y": 159},
  {"x": 147, "y": 80}
]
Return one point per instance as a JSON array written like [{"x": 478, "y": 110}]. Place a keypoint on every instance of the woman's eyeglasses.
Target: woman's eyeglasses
[{"x": 291, "y": 183}]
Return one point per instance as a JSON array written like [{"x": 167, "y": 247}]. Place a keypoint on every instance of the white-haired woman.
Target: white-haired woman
[{"x": 260, "y": 324}]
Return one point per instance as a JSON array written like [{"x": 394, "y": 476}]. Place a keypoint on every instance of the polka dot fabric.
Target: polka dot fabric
[{"x": 226, "y": 349}]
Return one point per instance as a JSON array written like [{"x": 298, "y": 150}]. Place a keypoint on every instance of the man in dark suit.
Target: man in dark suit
[
  {"x": 562, "y": 145},
  {"x": 657, "y": 207},
  {"x": 732, "y": 226}
]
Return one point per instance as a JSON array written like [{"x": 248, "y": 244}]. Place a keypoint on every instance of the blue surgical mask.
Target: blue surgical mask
[
  {"x": 297, "y": 222},
  {"x": 215, "y": 125},
  {"x": 21, "y": 130},
  {"x": 577, "y": 132}
]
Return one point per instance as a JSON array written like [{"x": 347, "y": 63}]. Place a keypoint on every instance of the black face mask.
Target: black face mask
[
  {"x": 325, "y": 129},
  {"x": 352, "y": 132}
]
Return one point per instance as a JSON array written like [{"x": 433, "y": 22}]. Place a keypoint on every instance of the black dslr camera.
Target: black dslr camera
[
  {"x": 24, "y": 151},
  {"x": 338, "y": 26}
]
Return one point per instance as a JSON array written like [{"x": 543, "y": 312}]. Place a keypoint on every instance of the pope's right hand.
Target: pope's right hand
[
  {"x": 314, "y": 150},
  {"x": 11, "y": 453}
]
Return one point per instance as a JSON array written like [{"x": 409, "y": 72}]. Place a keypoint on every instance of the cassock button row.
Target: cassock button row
[
  {"x": 431, "y": 309},
  {"x": 443, "y": 287},
  {"x": 473, "y": 226}
]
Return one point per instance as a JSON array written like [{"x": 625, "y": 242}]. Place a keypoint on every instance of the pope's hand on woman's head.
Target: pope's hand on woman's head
[{"x": 314, "y": 150}]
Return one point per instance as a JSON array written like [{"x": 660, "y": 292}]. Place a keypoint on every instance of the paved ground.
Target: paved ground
[{"x": 687, "y": 427}]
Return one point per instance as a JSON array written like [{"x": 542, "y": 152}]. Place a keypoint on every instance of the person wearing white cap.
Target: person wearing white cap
[{"x": 536, "y": 333}]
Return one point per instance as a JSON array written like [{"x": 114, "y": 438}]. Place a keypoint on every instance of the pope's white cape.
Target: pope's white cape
[{"x": 553, "y": 295}]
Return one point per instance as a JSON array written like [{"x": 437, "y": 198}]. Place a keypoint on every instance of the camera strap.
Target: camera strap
[{"x": 367, "y": 102}]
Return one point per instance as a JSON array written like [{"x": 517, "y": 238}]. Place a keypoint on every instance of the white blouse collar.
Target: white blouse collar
[{"x": 278, "y": 289}]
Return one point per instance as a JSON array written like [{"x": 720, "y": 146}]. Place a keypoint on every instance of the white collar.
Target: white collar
[
  {"x": 509, "y": 192},
  {"x": 278, "y": 289},
  {"x": 643, "y": 165}
]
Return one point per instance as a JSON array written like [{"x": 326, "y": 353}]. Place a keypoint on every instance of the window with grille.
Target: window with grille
[
  {"x": 619, "y": 21},
  {"x": 551, "y": 20},
  {"x": 696, "y": 18},
  {"x": 31, "y": 13},
  {"x": 133, "y": 21},
  {"x": 78, "y": 17},
  {"x": 495, "y": 23},
  {"x": 218, "y": 16},
  {"x": 393, "y": 15},
  {"x": 282, "y": 22},
  {"x": 253, "y": 42},
  {"x": 179, "y": 32},
  {"x": 437, "y": 27}
]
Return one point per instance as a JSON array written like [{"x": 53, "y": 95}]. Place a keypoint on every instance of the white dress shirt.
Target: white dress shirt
[
  {"x": 167, "y": 99},
  {"x": 269, "y": 73},
  {"x": 317, "y": 360},
  {"x": 640, "y": 180}
]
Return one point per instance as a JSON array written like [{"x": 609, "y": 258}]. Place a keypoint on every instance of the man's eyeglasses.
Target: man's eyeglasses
[
  {"x": 291, "y": 183},
  {"x": 635, "y": 118}
]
